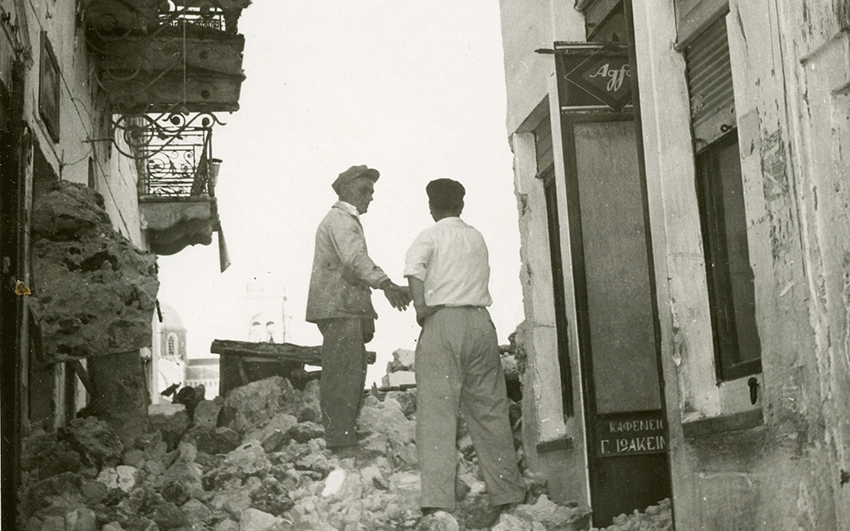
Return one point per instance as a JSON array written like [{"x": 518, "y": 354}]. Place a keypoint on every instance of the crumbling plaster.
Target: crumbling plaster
[{"x": 798, "y": 242}]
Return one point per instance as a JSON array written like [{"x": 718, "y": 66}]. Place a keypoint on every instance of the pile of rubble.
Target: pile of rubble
[
  {"x": 256, "y": 461},
  {"x": 655, "y": 518}
]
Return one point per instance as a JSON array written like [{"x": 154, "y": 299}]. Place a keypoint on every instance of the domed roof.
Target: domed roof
[{"x": 170, "y": 318}]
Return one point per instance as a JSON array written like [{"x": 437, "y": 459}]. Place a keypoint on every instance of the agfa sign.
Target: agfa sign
[{"x": 593, "y": 75}]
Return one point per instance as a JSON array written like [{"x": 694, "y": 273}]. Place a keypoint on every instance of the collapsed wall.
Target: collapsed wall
[
  {"x": 94, "y": 292},
  {"x": 93, "y": 297}
]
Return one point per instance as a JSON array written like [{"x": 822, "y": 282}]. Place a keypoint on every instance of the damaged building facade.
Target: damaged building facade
[
  {"x": 681, "y": 175},
  {"x": 106, "y": 161}
]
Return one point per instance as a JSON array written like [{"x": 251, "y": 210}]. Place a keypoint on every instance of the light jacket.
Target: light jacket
[{"x": 343, "y": 274}]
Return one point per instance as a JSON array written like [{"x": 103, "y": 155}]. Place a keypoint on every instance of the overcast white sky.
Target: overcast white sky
[{"x": 414, "y": 89}]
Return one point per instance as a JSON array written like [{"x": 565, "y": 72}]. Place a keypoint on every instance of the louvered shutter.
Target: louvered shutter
[
  {"x": 694, "y": 16},
  {"x": 543, "y": 146},
  {"x": 709, "y": 75}
]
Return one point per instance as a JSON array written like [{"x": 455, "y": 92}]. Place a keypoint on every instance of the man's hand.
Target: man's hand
[
  {"x": 424, "y": 311},
  {"x": 398, "y": 296}
]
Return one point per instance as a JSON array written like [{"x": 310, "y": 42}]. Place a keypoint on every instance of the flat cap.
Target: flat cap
[{"x": 352, "y": 173}]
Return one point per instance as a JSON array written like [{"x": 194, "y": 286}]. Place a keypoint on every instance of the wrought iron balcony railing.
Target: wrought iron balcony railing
[
  {"x": 173, "y": 153},
  {"x": 205, "y": 16},
  {"x": 114, "y": 17}
]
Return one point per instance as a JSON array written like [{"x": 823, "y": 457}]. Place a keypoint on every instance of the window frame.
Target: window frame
[{"x": 724, "y": 317}]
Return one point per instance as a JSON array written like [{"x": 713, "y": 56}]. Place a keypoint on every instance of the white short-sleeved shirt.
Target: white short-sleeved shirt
[{"x": 451, "y": 258}]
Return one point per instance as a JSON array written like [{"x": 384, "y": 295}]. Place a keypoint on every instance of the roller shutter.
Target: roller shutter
[{"x": 709, "y": 75}]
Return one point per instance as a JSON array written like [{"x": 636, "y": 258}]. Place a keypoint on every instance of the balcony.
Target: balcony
[
  {"x": 164, "y": 67},
  {"x": 153, "y": 55},
  {"x": 177, "y": 177}
]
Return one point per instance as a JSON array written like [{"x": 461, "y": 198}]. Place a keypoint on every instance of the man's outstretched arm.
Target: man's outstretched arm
[
  {"x": 417, "y": 290},
  {"x": 399, "y": 296}
]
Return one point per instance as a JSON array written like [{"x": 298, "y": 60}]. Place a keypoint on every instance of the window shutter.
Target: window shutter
[
  {"x": 543, "y": 146},
  {"x": 694, "y": 16},
  {"x": 709, "y": 75}
]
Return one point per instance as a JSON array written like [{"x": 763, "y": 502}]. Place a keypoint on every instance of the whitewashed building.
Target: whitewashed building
[{"x": 681, "y": 173}]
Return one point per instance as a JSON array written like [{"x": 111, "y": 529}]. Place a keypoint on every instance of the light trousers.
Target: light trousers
[{"x": 458, "y": 368}]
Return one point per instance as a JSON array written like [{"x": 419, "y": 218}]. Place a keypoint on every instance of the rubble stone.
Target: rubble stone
[
  {"x": 333, "y": 483},
  {"x": 214, "y": 441},
  {"x": 306, "y": 431},
  {"x": 45, "y": 456},
  {"x": 133, "y": 457},
  {"x": 234, "y": 502},
  {"x": 552, "y": 515},
  {"x": 53, "y": 523},
  {"x": 399, "y": 379},
  {"x": 227, "y": 525},
  {"x": 278, "y": 426},
  {"x": 271, "y": 497},
  {"x": 387, "y": 418},
  {"x": 94, "y": 292},
  {"x": 310, "y": 409},
  {"x": 654, "y": 518},
  {"x": 206, "y": 414},
  {"x": 403, "y": 360},
  {"x": 168, "y": 516},
  {"x": 93, "y": 491},
  {"x": 509, "y": 522},
  {"x": 96, "y": 442},
  {"x": 247, "y": 460},
  {"x": 171, "y": 420},
  {"x": 407, "y": 401},
  {"x": 61, "y": 492},
  {"x": 254, "y": 404},
  {"x": 438, "y": 521},
  {"x": 314, "y": 462},
  {"x": 121, "y": 477},
  {"x": 277, "y": 475},
  {"x": 185, "y": 471},
  {"x": 82, "y": 519},
  {"x": 154, "y": 468},
  {"x": 256, "y": 520}
]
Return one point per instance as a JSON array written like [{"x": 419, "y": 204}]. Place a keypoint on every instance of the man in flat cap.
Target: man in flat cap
[
  {"x": 340, "y": 303},
  {"x": 458, "y": 367}
]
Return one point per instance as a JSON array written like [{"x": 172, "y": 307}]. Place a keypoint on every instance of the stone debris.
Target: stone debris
[
  {"x": 654, "y": 518},
  {"x": 256, "y": 461},
  {"x": 400, "y": 371},
  {"x": 93, "y": 291}
]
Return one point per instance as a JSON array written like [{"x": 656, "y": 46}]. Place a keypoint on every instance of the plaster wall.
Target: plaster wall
[
  {"x": 783, "y": 473},
  {"x": 531, "y": 95},
  {"x": 81, "y": 120},
  {"x": 526, "y": 27},
  {"x": 544, "y": 421},
  {"x": 816, "y": 36},
  {"x": 84, "y": 120}
]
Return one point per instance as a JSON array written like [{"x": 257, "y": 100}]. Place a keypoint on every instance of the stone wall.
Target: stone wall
[{"x": 94, "y": 292}]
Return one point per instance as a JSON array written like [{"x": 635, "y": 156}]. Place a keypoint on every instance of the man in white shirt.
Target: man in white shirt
[
  {"x": 457, "y": 357},
  {"x": 340, "y": 303}
]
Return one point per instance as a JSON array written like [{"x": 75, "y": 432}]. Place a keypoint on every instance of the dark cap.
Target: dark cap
[
  {"x": 352, "y": 173},
  {"x": 445, "y": 194}
]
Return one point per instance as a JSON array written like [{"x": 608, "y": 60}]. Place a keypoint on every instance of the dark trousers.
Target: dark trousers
[{"x": 343, "y": 376}]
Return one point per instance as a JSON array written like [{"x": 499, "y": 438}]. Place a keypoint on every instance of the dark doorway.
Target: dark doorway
[
  {"x": 12, "y": 142},
  {"x": 626, "y": 430}
]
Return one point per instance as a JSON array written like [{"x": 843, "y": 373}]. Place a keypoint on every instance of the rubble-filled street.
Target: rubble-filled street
[{"x": 255, "y": 460}]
